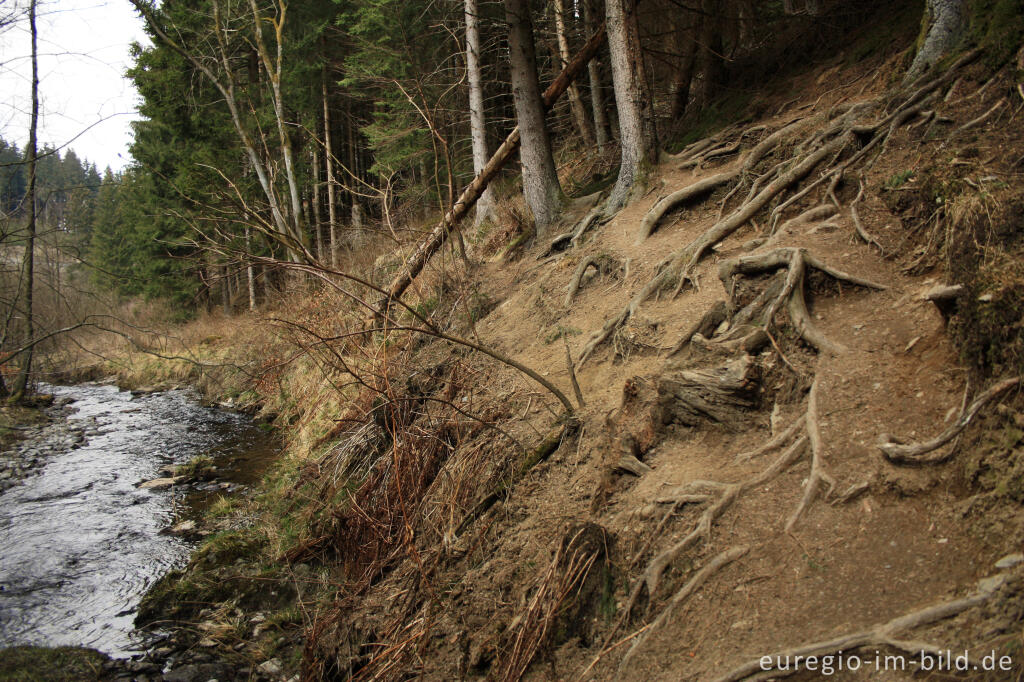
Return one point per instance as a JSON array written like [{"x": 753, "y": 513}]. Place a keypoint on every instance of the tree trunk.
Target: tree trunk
[
  {"x": 540, "y": 180},
  {"x": 477, "y": 122},
  {"x": 356, "y": 216},
  {"x": 317, "y": 221},
  {"x": 710, "y": 53},
  {"x": 575, "y": 102},
  {"x": 941, "y": 29},
  {"x": 250, "y": 279},
  {"x": 637, "y": 136},
  {"x": 414, "y": 264},
  {"x": 684, "y": 74},
  {"x": 28, "y": 261},
  {"x": 597, "y": 103},
  {"x": 332, "y": 208}
]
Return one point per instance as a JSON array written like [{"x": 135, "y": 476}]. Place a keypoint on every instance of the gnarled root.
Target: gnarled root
[
  {"x": 878, "y": 636},
  {"x": 604, "y": 264},
  {"x": 858, "y": 225},
  {"x": 792, "y": 295},
  {"x": 913, "y": 453},
  {"x": 680, "y": 265}
]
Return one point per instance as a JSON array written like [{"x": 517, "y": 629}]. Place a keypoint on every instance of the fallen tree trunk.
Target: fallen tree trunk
[{"x": 429, "y": 246}]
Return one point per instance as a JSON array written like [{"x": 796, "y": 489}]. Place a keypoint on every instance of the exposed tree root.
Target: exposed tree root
[
  {"x": 818, "y": 476},
  {"x": 680, "y": 265},
  {"x": 879, "y": 636},
  {"x": 912, "y": 454},
  {"x": 859, "y": 226},
  {"x": 603, "y": 264},
  {"x": 727, "y": 494},
  {"x": 706, "y": 326},
  {"x": 691, "y": 586},
  {"x": 679, "y": 197},
  {"x": 792, "y": 294},
  {"x": 775, "y": 442},
  {"x": 981, "y": 119}
]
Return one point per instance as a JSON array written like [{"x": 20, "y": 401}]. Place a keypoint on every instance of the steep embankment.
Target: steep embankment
[{"x": 722, "y": 494}]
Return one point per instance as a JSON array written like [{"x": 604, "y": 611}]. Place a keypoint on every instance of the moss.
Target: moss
[
  {"x": 723, "y": 112},
  {"x": 199, "y": 467},
  {"x": 42, "y": 664},
  {"x": 997, "y": 26}
]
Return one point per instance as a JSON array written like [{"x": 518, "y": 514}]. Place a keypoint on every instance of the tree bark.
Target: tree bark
[
  {"x": 684, "y": 74},
  {"x": 317, "y": 218},
  {"x": 637, "y": 135},
  {"x": 332, "y": 208},
  {"x": 249, "y": 275},
  {"x": 598, "y": 107},
  {"x": 541, "y": 188},
  {"x": 28, "y": 261},
  {"x": 709, "y": 57},
  {"x": 575, "y": 102},
  {"x": 941, "y": 29},
  {"x": 414, "y": 264},
  {"x": 477, "y": 121}
]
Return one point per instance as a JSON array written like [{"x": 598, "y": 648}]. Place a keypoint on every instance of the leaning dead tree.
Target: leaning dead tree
[{"x": 429, "y": 246}]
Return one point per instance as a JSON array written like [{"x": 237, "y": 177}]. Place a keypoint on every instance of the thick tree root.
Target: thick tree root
[
  {"x": 680, "y": 265},
  {"x": 859, "y": 226},
  {"x": 792, "y": 295},
  {"x": 883, "y": 635},
  {"x": 603, "y": 264},
  {"x": 913, "y": 453},
  {"x": 697, "y": 189},
  {"x": 691, "y": 586}
]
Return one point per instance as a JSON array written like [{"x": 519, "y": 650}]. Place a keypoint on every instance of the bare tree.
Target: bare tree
[
  {"x": 28, "y": 260},
  {"x": 288, "y": 230}
]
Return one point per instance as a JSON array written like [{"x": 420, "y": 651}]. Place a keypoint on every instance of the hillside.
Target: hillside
[{"x": 800, "y": 427}]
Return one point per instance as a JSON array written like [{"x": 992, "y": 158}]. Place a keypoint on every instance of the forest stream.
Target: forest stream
[{"x": 81, "y": 542}]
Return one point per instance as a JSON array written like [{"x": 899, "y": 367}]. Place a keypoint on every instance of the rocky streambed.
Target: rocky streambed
[{"x": 81, "y": 539}]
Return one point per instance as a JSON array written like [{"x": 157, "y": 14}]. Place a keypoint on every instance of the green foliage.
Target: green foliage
[
  {"x": 898, "y": 179},
  {"x": 43, "y": 664},
  {"x": 137, "y": 249},
  {"x": 998, "y": 27}
]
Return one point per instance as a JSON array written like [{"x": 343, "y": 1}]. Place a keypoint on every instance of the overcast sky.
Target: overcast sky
[{"x": 83, "y": 54}]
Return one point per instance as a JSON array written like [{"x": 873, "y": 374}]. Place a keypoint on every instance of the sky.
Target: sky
[{"x": 83, "y": 55}]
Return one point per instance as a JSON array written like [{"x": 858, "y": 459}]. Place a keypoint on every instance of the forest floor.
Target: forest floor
[
  {"x": 909, "y": 538},
  {"x": 445, "y": 540}
]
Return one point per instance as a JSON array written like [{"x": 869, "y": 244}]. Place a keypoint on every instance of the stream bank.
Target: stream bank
[{"x": 84, "y": 539}]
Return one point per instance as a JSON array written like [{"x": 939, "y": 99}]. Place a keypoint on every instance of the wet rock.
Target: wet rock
[
  {"x": 183, "y": 528},
  {"x": 161, "y": 483}
]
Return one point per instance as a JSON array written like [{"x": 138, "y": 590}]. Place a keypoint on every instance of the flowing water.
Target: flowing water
[{"x": 79, "y": 542}]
